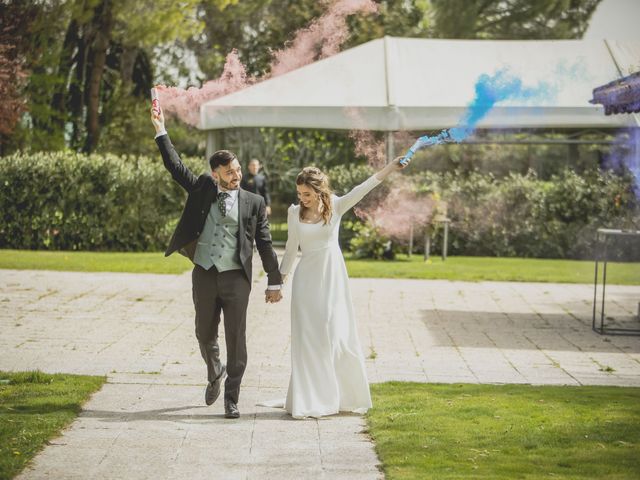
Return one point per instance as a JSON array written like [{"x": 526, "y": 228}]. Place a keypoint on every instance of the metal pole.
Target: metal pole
[
  {"x": 390, "y": 147},
  {"x": 445, "y": 240},
  {"x": 215, "y": 139},
  {"x": 410, "y": 239},
  {"x": 604, "y": 282},
  {"x": 595, "y": 287},
  {"x": 427, "y": 243}
]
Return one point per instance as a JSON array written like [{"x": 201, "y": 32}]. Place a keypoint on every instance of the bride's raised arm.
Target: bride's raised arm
[
  {"x": 357, "y": 193},
  {"x": 291, "y": 248}
]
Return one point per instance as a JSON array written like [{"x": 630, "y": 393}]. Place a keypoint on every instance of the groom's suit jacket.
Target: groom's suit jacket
[{"x": 202, "y": 192}]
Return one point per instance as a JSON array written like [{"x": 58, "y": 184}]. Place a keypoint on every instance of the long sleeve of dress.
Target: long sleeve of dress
[
  {"x": 349, "y": 200},
  {"x": 291, "y": 248}
]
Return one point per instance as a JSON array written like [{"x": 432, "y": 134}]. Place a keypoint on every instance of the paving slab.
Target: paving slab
[{"x": 150, "y": 421}]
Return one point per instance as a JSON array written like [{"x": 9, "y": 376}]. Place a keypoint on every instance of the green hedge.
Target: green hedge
[
  {"x": 512, "y": 216},
  {"x": 520, "y": 215},
  {"x": 70, "y": 201}
]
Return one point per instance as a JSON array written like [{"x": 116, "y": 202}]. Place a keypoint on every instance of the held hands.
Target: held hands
[{"x": 272, "y": 296}]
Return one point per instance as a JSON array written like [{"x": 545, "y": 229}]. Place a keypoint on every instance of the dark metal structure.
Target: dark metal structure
[
  {"x": 604, "y": 237},
  {"x": 619, "y": 96}
]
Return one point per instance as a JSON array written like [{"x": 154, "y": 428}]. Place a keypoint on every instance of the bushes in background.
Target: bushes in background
[
  {"x": 70, "y": 201},
  {"x": 520, "y": 215}
]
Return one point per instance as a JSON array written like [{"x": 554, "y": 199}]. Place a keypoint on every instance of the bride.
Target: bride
[{"x": 327, "y": 365}]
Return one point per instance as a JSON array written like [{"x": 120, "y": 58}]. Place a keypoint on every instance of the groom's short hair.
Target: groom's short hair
[{"x": 221, "y": 157}]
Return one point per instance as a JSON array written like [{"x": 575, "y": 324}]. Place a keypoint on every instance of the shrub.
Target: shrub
[
  {"x": 368, "y": 242},
  {"x": 520, "y": 215},
  {"x": 71, "y": 201}
]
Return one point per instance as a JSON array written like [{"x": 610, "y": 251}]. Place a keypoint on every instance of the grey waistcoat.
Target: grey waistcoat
[{"x": 218, "y": 242}]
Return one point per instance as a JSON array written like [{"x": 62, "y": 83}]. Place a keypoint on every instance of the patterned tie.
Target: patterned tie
[{"x": 222, "y": 204}]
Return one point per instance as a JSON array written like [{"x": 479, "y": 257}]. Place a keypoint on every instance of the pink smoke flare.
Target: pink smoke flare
[
  {"x": 186, "y": 103},
  {"x": 365, "y": 143},
  {"x": 321, "y": 39},
  {"x": 400, "y": 210}
]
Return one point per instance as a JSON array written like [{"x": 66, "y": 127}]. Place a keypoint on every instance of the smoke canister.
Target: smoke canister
[{"x": 411, "y": 152}]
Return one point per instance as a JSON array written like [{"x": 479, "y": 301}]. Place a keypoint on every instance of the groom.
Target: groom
[{"x": 217, "y": 229}]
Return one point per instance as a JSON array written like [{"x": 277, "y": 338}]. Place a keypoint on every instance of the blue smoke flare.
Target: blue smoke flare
[{"x": 489, "y": 90}]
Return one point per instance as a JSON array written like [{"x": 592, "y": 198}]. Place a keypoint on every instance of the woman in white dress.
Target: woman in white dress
[{"x": 328, "y": 372}]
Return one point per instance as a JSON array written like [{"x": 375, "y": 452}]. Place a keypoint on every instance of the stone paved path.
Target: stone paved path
[{"x": 149, "y": 420}]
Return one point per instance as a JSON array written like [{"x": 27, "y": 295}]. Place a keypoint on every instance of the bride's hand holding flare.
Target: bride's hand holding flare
[{"x": 391, "y": 167}]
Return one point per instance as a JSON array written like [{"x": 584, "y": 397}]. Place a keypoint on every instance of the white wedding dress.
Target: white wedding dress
[{"x": 328, "y": 372}]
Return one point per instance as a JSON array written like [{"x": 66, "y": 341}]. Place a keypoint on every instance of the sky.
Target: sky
[{"x": 615, "y": 19}]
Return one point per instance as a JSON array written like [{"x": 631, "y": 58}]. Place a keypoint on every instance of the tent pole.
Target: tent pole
[
  {"x": 390, "y": 147},
  {"x": 215, "y": 139},
  {"x": 635, "y": 166}
]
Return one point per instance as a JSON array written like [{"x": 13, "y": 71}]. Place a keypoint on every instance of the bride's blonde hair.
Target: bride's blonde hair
[{"x": 318, "y": 181}]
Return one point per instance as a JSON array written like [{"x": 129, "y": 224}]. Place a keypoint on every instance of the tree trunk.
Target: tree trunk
[
  {"x": 127, "y": 62},
  {"x": 76, "y": 99},
  {"x": 104, "y": 24},
  {"x": 65, "y": 64}
]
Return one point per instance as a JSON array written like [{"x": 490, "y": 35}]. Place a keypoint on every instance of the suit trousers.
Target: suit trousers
[{"x": 228, "y": 292}]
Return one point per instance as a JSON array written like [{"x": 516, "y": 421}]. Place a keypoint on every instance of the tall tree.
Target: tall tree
[
  {"x": 100, "y": 34},
  {"x": 252, "y": 27},
  {"x": 13, "y": 22},
  {"x": 87, "y": 56},
  {"x": 257, "y": 28},
  {"x": 511, "y": 19}
]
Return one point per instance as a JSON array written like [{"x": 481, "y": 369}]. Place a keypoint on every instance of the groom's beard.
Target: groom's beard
[{"x": 228, "y": 186}]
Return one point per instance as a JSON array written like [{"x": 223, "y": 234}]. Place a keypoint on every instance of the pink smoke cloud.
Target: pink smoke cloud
[
  {"x": 400, "y": 210},
  {"x": 186, "y": 103},
  {"x": 366, "y": 145},
  {"x": 321, "y": 39},
  {"x": 364, "y": 141}
]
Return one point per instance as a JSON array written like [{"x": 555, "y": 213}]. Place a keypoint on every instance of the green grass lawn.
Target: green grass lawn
[
  {"x": 494, "y": 269},
  {"x": 154, "y": 262},
  {"x": 454, "y": 268},
  {"x": 35, "y": 407},
  {"x": 279, "y": 232},
  {"x": 424, "y": 431}
]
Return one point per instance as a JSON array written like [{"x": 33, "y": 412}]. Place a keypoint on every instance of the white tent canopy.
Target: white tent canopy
[{"x": 394, "y": 84}]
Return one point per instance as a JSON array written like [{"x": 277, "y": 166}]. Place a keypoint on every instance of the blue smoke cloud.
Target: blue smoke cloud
[{"x": 489, "y": 90}]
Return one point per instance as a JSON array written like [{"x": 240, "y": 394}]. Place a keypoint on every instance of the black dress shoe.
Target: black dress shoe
[
  {"x": 212, "y": 392},
  {"x": 231, "y": 409}
]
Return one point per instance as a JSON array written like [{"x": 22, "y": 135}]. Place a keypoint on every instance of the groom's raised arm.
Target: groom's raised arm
[{"x": 179, "y": 171}]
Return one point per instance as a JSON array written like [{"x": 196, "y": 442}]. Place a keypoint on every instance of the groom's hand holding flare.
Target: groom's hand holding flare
[{"x": 157, "y": 118}]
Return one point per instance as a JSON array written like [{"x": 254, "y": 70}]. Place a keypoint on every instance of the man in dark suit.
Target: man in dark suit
[
  {"x": 256, "y": 182},
  {"x": 217, "y": 230}
]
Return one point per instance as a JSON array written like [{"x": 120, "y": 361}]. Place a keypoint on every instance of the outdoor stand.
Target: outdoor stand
[
  {"x": 445, "y": 240},
  {"x": 603, "y": 237}
]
